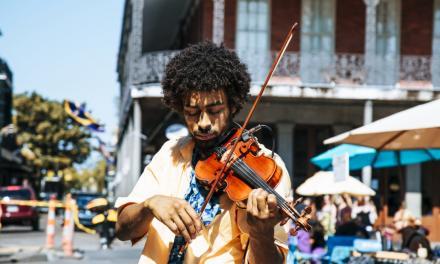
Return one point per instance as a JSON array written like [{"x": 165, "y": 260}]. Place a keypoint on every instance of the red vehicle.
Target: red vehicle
[{"x": 19, "y": 214}]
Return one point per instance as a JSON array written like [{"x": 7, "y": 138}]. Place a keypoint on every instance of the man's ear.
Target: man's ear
[{"x": 233, "y": 110}]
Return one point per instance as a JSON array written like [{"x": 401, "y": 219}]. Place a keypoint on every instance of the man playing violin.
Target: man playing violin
[{"x": 208, "y": 85}]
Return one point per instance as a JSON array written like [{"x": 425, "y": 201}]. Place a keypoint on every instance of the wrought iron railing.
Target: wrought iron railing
[
  {"x": 151, "y": 66},
  {"x": 345, "y": 68},
  {"x": 415, "y": 68},
  {"x": 340, "y": 68}
]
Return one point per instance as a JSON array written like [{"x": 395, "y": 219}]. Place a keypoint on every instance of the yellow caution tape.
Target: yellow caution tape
[
  {"x": 58, "y": 204},
  {"x": 112, "y": 214},
  {"x": 78, "y": 224}
]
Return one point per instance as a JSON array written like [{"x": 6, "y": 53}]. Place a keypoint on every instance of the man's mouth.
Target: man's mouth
[{"x": 204, "y": 137}]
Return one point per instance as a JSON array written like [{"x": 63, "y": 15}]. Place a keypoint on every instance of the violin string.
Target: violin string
[
  {"x": 244, "y": 171},
  {"x": 256, "y": 179},
  {"x": 281, "y": 203},
  {"x": 261, "y": 183}
]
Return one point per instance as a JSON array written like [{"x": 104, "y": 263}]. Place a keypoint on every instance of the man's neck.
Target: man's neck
[{"x": 202, "y": 153}]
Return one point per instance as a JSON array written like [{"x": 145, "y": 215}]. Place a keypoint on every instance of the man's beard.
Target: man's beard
[{"x": 206, "y": 146}]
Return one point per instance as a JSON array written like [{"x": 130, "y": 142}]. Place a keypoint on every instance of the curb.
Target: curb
[{"x": 26, "y": 254}]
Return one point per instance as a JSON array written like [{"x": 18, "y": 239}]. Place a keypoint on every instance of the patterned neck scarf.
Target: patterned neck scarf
[{"x": 195, "y": 195}]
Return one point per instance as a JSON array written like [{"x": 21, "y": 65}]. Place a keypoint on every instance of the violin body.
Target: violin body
[
  {"x": 235, "y": 184},
  {"x": 247, "y": 168}
]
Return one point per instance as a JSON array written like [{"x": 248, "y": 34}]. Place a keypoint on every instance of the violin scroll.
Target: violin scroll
[{"x": 303, "y": 214}]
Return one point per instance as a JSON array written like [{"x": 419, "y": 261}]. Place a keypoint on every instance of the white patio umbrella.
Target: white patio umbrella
[
  {"x": 414, "y": 128},
  {"x": 323, "y": 182}
]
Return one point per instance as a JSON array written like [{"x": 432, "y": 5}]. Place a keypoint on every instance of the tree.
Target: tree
[
  {"x": 92, "y": 179},
  {"x": 45, "y": 128}
]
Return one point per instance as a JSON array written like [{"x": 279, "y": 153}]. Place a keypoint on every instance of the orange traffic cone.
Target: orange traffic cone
[
  {"x": 50, "y": 229},
  {"x": 68, "y": 227}
]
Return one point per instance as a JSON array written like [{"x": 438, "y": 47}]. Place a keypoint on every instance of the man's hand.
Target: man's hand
[
  {"x": 176, "y": 214},
  {"x": 262, "y": 213},
  {"x": 261, "y": 217}
]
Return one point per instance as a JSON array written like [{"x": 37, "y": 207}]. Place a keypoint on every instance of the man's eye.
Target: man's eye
[
  {"x": 192, "y": 113},
  {"x": 212, "y": 112},
  {"x": 215, "y": 111}
]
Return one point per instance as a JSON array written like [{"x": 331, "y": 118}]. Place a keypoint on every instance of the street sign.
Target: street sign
[{"x": 340, "y": 167}]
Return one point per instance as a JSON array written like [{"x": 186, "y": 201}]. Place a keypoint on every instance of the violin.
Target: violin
[{"x": 248, "y": 169}]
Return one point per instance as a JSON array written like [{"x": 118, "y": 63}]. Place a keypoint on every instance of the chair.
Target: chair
[
  {"x": 334, "y": 241},
  {"x": 340, "y": 254},
  {"x": 367, "y": 245}
]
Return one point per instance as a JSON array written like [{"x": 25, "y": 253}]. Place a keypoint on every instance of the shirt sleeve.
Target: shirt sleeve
[{"x": 148, "y": 184}]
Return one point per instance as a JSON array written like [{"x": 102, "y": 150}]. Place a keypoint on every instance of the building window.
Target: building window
[
  {"x": 253, "y": 25},
  {"x": 318, "y": 25},
  {"x": 383, "y": 28}
]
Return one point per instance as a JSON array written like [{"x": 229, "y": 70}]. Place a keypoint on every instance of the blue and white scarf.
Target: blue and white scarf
[{"x": 195, "y": 195}]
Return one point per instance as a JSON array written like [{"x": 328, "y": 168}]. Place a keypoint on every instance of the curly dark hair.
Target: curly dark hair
[{"x": 205, "y": 67}]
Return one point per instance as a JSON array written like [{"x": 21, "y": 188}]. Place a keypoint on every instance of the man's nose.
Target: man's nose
[{"x": 204, "y": 123}]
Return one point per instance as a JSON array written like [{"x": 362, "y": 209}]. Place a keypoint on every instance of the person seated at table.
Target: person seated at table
[
  {"x": 351, "y": 227},
  {"x": 312, "y": 242},
  {"x": 412, "y": 238},
  {"x": 365, "y": 210}
]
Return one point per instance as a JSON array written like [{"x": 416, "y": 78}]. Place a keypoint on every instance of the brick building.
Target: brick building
[
  {"x": 5, "y": 94},
  {"x": 351, "y": 62},
  {"x": 12, "y": 165}
]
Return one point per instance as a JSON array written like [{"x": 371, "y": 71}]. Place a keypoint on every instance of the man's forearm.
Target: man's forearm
[
  {"x": 133, "y": 221},
  {"x": 263, "y": 250}
]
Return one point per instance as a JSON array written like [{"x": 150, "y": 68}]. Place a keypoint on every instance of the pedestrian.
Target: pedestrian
[
  {"x": 401, "y": 216},
  {"x": 365, "y": 210},
  {"x": 207, "y": 85},
  {"x": 413, "y": 240},
  {"x": 343, "y": 204},
  {"x": 1, "y": 213},
  {"x": 327, "y": 215},
  {"x": 351, "y": 227}
]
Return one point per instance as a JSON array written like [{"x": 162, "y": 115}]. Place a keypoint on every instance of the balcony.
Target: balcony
[{"x": 341, "y": 69}]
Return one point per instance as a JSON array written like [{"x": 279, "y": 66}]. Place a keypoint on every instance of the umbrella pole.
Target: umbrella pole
[
  {"x": 384, "y": 200},
  {"x": 400, "y": 174},
  {"x": 381, "y": 147}
]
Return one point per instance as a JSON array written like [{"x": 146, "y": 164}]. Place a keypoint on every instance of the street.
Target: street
[{"x": 20, "y": 244}]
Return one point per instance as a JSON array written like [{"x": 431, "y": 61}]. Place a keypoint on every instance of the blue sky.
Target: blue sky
[{"x": 65, "y": 49}]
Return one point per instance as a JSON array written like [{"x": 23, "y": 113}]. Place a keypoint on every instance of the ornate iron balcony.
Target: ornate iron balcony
[{"x": 338, "y": 69}]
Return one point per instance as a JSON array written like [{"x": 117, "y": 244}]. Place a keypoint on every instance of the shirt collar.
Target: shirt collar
[{"x": 186, "y": 147}]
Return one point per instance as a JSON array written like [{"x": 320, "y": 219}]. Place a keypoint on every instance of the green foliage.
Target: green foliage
[
  {"x": 46, "y": 129},
  {"x": 89, "y": 179}
]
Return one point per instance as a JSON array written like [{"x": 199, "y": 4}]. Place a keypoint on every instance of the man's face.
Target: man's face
[{"x": 207, "y": 116}]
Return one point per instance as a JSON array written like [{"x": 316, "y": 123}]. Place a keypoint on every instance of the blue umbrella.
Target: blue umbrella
[{"x": 361, "y": 156}]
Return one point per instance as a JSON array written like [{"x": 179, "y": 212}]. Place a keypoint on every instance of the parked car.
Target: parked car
[
  {"x": 85, "y": 216},
  {"x": 19, "y": 214}
]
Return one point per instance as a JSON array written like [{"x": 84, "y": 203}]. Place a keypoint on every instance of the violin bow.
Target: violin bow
[{"x": 275, "y": 63}]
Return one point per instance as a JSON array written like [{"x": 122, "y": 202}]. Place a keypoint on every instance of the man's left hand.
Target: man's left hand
[{"x": 262, "y": 213}]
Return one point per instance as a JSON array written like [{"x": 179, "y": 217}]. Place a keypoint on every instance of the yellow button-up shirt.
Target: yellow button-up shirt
[{"x": 222, "y": 241}]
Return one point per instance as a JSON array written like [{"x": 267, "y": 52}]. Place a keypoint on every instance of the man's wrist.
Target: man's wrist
[
  {"x": 146, "y": 206},
  {"x": 267, "y": 235}
]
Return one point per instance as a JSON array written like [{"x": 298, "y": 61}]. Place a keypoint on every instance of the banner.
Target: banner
[{"x": 79, "y": 114}]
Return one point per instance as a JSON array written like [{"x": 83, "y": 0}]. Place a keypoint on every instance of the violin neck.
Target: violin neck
[{"x": 250, "y": 177}]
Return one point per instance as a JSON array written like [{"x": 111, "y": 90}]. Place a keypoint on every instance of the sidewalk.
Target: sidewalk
[{"x": 22, "y": 254}]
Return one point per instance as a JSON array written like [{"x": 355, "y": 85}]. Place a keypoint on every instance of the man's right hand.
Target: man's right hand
[{"x": 176, "y": 214}]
